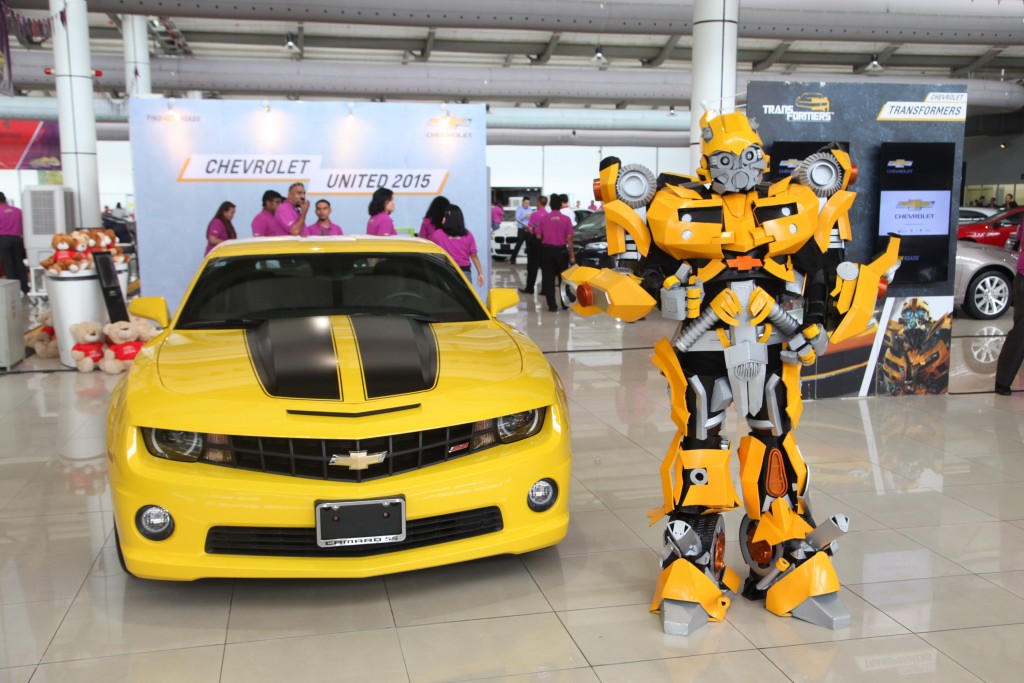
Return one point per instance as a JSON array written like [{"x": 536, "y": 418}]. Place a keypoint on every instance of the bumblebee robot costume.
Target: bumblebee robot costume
[{"x": 725, "y": 253}]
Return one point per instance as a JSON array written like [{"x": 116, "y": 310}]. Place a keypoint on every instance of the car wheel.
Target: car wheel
[
  {"x": 981, "y": 351},
  {"x": 120, "y": 554},
  {"x": 988, "y": 295}
]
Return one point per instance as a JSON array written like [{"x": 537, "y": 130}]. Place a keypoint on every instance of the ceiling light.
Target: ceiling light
[
  {"x": 599, "y": 55},
  {"x": 155, "y": 23},
  {"x": 874, "y": 66},
  {"x": 289, "y": 41},
  {"x": 672, "y": 110}
]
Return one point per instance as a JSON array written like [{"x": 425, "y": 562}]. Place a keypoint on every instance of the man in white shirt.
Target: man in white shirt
[{"x": 567, "y": 210}]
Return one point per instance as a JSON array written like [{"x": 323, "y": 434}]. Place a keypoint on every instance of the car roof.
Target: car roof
[{"x": 261, "y": 246}]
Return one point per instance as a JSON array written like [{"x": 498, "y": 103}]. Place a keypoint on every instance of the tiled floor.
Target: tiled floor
[{"x": 933, "y": 569}]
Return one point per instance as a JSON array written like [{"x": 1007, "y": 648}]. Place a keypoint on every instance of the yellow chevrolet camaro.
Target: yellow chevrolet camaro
[{"x": 334, "y": 407}]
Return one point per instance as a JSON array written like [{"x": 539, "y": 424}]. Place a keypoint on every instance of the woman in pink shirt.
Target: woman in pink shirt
[
  {"x": 497, "y": 215},
  {"x": 435, "y": 216},
  {"x": 458, "y": 242},
  {"x": 220, "y": 228},
  {"x": 381, "y": 206}
]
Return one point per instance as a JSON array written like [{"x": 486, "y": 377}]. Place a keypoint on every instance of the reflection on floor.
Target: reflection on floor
[{"x": 933, "y": 570}]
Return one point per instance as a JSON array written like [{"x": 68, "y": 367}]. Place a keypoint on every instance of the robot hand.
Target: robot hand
[
  {"x": 806, "y": 345},
  {"x": 589, "y": 291},
  {"x": 681, "y": 295}
]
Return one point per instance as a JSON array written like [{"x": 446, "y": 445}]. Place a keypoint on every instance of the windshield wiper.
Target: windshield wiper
[{"x": 228, "y": 323}]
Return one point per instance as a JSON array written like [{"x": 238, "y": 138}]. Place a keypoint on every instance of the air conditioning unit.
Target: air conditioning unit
[{"x": 46, "y": 211}]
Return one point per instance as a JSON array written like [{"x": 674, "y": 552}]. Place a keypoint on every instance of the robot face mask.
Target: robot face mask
[
  {"x": 737, "y": 172},
  {"x": 917, "y": 320}
]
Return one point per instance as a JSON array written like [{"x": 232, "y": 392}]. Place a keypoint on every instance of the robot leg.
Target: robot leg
[
  {"x": 697, "y": 486},
  {"x": 788, "y": 556}
]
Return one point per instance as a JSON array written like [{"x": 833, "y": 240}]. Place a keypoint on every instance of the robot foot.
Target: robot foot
[
  {"x": 827, "y": 611},
  {"x": 680, "y": 618}
]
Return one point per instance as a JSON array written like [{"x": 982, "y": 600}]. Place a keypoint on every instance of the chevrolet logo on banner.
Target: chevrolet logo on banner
[
  {"x": 357, "y": 460},
  {"x": 915, "y": 204},
  {"x": 789, "y": 163},
  {"x": 900, "y": 163}
]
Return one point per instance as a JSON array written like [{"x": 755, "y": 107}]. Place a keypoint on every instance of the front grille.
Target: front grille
[
  {"x": 311, "y": 458},
  {"x": 286, "y": 542}
]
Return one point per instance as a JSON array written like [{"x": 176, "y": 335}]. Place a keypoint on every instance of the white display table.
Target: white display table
[{"x": 77, "y": 298}]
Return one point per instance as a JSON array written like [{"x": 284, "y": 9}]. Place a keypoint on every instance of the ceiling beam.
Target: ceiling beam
[
  {"x": 549, "y": 50},
  {"x": 428, "y": 47},
  {"x": 666, "y": 50},
  {"x": 775, "y": 55},
  {"x": 981, "y": 61}
]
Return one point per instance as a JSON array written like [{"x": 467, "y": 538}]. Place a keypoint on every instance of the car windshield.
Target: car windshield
[
  {"x": 242, "y": 291},
  {"x": 590, "y": 228}
]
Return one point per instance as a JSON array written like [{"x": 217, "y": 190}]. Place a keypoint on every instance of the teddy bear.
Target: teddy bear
[
  {"x": 123, "y": 345},
  {"x": 88, "y": 348},
  {"x": 65, "y": 255},
  {"x": 82, "y": 241},
  {"x": 106, "y": 240},
  {"x": 44, "y": 341},
  {"x": 147, "y": 330}
]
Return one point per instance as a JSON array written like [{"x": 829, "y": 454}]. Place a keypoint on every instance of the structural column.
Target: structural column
[
  {"x": 76, "y": 116},
  {"x": 715, "y": 27},
  {"x": 136, "y": 55}
]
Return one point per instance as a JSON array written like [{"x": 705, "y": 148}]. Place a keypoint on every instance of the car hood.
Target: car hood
[{"x": 359, "y": 360}]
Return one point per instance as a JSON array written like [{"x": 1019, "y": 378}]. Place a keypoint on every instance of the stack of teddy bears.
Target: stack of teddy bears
[
  {"x": 111, "y": 347},
  {"x": 73, "y": 253}
]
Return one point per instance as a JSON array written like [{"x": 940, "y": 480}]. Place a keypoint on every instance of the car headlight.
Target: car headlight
[
  {"x": 596, "y": 246},
  {"x": 174, "y": 444},
  {"x": 518, "y": 426}
]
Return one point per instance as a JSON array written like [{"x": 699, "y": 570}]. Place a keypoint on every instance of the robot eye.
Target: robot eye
[
  {"x": 751, "y": 154},
  {"x": 721, "y": 160}
]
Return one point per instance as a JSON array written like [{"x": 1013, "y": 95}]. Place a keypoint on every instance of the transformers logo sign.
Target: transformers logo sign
[{"x": 808, "y": 106}]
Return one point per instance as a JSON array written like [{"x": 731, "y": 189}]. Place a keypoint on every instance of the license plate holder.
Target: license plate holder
[{"x": 360, "y": 522}]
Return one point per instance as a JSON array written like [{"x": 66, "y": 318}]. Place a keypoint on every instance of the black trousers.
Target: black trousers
[
  {"x": 1012, "y": 354},
  {"x": 553, "y": 261},
  {"x": 521, "y": 237},
  {"x": 534, "y": 251},
  {"x": 12, "y": 256}
]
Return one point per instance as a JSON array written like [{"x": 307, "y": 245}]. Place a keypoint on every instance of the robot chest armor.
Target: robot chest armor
[{"x": 686, "y": 225}]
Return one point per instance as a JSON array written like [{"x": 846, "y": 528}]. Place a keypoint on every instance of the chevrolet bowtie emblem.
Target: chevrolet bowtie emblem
[{"x": 357, "y": 460}]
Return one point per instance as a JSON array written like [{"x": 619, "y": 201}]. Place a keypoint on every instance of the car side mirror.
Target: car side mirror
[
  {"x": 151, "y": 308},
  {"x": 499, "y": 300}
]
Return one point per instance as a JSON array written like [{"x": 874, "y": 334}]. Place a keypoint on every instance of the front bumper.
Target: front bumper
[{"x": 201, "y": 496}]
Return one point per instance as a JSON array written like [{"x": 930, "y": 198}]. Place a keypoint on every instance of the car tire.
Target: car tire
[
  {"x": 989, "y": 295},
  {"x": 120, "y": 554}
]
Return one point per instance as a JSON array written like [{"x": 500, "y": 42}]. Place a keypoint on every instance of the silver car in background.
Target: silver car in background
[{"x": 984, "y": 278}]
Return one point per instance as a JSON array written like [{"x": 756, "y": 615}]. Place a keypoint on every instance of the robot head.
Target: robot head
[
  {"x": 732, "y": 155},
  {"x": 917, "y": 320}
]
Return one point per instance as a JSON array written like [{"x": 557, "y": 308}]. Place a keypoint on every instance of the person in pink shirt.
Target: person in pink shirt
[
  {"x": 458, "y": 242},
  {"x": 263, "y": 225},
  {"x": 497, "y": 214},
  {"x": 555, "y": 231},
  {"x": 220, "y": 228},
  {"x": 381, "y": 205},
  {"x": 435, "y": 216},
  {"x": 533, "y": 245},
  {"x": 290, "y": 216},
  {"x": 323, "y": 226},
  {"x": 12, "y": 243}
]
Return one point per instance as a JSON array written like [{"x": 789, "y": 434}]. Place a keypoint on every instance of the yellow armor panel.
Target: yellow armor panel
[
  {"x": 717, "y": 491},
  {"x": 816, "y": 576},
  {"x": 751, "y": 452},
  {"x": 796, "y": 460},
  {"x": 862, "y": 306},
  {"x": 780, "y": 523},
  {"x": 680, "y": 238},
  {"x": 684, "y": 582},
  {"x": 665, "y": 359},
  {"x": 620, "y": 219}
]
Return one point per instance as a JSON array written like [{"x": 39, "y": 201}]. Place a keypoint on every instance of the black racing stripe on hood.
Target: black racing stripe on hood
[
  {"x": 295, "y": 358},
  {"x": 399, "y": 354}
]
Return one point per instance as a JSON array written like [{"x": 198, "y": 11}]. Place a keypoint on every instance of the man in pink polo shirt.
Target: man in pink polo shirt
[
  {"x": 555, "y": 231},
  {"x": 12, "y": 243},
  {"x": 264, "y": 225},
  {"x": 290, "y": 217}
]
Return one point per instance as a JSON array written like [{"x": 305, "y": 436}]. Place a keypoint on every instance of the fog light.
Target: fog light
[
  {"x": 154, "y": 522},
  {"x": 542, "y": 495}
]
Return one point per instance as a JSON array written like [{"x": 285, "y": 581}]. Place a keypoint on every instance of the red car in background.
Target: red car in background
[{"x": 994, "y": 230}]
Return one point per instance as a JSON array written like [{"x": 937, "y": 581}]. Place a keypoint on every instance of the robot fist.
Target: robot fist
[
  {"x": 589, "y": 291},
  {"x": 806, "y": 345}
]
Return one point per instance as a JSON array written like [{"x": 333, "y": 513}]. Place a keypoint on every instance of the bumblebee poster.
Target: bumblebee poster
[{"x": 911, "y": 356}]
